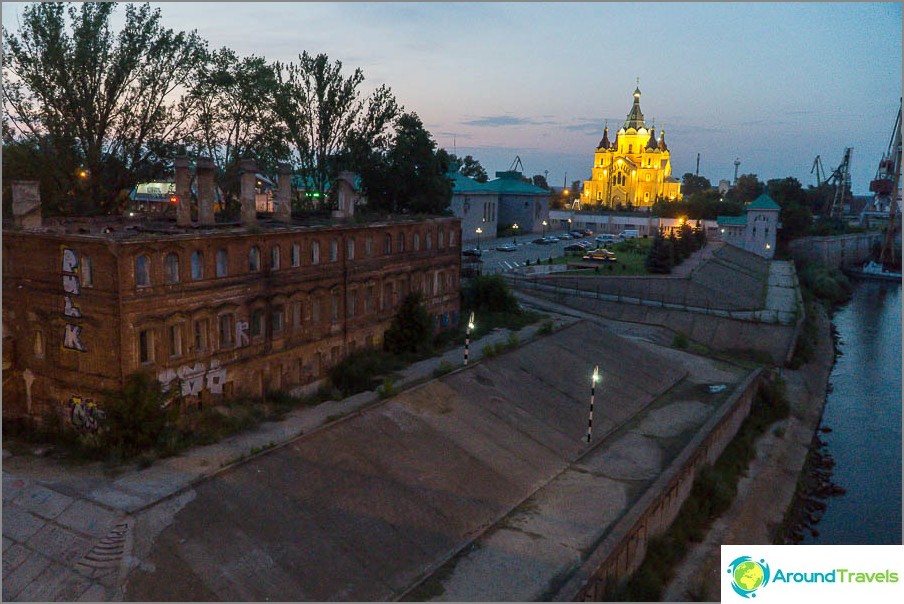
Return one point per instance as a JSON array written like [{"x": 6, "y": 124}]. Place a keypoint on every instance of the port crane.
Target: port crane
[
  {"x": 841, "y": 180},
  {"x": 885, "y": 186},
  {"x": 820, "y": 171}
]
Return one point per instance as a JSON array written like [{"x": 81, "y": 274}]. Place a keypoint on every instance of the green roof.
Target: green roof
[
  {"x": 764, "y": 202},
  {"x": 510, "y": 183},
  {"x": 731, "y": 220},
  {"x": 464, "y": 184}
]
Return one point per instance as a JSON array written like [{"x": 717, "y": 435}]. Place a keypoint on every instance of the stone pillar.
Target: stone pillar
[
  {"x": 248, "y": 169},
  {"x": 183, "y": 192},
  {"x": 283, "y": 211},
  {"x": 206, "y": 192},
  {"x": 26, "y": 204}
]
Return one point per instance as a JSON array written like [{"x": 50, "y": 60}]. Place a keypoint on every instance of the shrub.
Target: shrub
[
  {"x": 388, "y": 389},
  {"x": 135, "y": 417},
  {"x": 443, "y": 368},
  {"x": 545, "y": 328},
  {"x": 361, "y": 370},
  {"x": 660, "y": 257},
  {"x": 513, "y": 340},
  {"x": 489, "y": 293},
  {"x": 680, "y": 340},
  {"x": 411, "y": 330}
]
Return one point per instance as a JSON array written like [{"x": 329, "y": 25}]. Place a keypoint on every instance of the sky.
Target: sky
[{"x": 771, "y": 84}]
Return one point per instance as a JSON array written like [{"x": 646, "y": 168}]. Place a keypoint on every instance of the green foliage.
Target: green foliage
[
  {"x": 680, "y": 340},
  {"x": 443, "y": 368},
  {"x": 328, "y": 124},
  {"x": 687, "y": 241},
  {"x": 388, "y": 389},
  {"x": 489, "y": 293},
  {"x": 659, "y": 258},
  {"x": 411, "y": 330},
  {"x": 137, "y": 415},
  {"x": 89, "y": 97},
  {"x": 546, "y": 328},
  {"x": 410, "y": 177},
  {"x": 691, "y": 183},
  {"x": 746, "y": 189},
  {"x": 361, "y": 371},
  {"x": 466, "y": 166},
  {"x": 702, "y": 205},
  {"x": 828, "y": 284}
]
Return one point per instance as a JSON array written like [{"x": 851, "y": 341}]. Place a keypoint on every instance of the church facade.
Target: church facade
[{"x": 634, "y": 169}]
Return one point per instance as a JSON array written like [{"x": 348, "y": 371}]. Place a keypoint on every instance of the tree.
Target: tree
[
  {"x": 687, "y": 242},
  {"x": 540, "y": 181},
  {"x": 691, "y": 183},
  {"x": 746, "y": 190},
  {"x": 328, "y": 125},
  {"x": 233, "y": 122},
  {"x": 411, "y": 330},
  {"x": 659, "y": 259},
  {"x": 103, "y": 103},
  {"x": 471, "y": 168},
  {"x": 410, "y": 177},
  {"x": 136, "y": 416},
  {"x": 796, "y": 220}
]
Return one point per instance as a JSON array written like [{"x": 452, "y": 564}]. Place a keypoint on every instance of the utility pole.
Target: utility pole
[{"x": 697, "y": 173}]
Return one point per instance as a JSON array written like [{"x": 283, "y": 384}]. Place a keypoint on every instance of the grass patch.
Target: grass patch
[
  {"x": 713, "y": 491},
  {"x": 443, "y": 368},
  {"x": 364, "y": 370}
]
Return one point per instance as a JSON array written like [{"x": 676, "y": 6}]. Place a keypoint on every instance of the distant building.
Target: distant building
[
  {"x": 756, "y": 230},
  {"x": 633, "y": 170},
  {"x": 211, "y": 309},
  {"x": 506, "y": 200}
]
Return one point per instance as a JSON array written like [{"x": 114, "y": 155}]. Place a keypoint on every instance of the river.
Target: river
[{"x": 863, "y": 410}]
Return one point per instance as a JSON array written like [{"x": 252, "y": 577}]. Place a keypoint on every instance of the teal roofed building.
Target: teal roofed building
[
  {"x": 755, "y": 231},
  {"x": 520, "y": 202},
  {"x": 476, "y": 204}
]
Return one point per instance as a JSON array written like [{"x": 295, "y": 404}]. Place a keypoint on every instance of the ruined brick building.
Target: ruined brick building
[{"x": 211, "y": 309}]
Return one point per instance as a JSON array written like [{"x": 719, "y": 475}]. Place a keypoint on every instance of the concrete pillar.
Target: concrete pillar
[
  {"x": 283, "y": 211},
  {"x": 26, "y": 204},
  {"x": 183, "y": 192},
  {"x": 206, "y": 192},
  {"x": 248, "y": 172}
]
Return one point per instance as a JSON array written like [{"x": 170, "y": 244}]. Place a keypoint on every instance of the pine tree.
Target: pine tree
[{"x": 659, "y": 258}]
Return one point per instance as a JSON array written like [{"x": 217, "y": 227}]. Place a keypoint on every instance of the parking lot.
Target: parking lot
[{"x": 525, "y": 248}]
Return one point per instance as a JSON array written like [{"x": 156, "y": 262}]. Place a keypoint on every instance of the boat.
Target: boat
[{"x": 873, "y": 270}]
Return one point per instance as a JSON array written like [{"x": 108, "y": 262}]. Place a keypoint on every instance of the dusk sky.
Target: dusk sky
[{"x": 771, "y": 84}]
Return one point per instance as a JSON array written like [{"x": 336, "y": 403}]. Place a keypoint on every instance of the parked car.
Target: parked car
[
  {"x": 601, "y": 255},
  {"x": 580, "y": 246},
  {"x": 629, "y": 234},
  {"x": 587, "y": 232},
  {"x": 551, "y": 239},
  {"x": 565, "y": 236},
  {"x": 475, "y": 252},
  {"x": 606, "y": 238},
  {"x": 507, "y": 247},
  {"x": 577, "y": 233},
  {"x": 541, "y": 241}
]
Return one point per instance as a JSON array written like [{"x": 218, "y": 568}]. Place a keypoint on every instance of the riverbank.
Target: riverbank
[{"x": 768, "y": 490}]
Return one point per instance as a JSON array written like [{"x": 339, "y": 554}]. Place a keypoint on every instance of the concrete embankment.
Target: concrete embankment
[{"x": 768, "y": 489}]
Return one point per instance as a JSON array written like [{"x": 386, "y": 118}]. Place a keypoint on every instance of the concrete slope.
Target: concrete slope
[{"x": 365, "y": 507}]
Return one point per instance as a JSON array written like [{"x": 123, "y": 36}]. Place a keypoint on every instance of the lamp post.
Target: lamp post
[
  {"x": 544, "y": 228},
  {"x": 514, "y": 231},
  {"x": 593, "y": 381},
  {"x": 569, "y": 225},
  {"x": 478, "y": 231},
  {"x": 468, "y": 336}
]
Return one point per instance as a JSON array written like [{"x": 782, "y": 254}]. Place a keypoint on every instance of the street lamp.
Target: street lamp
[
  {"x": 569, "y": 225},
  {"x": 544, "y": 228},
  {"x": 514, "y": 231},
  {"x": 468, "y": 336},
  {"x": 478, "y": 231},
  {"x": 593, "y": 381}
]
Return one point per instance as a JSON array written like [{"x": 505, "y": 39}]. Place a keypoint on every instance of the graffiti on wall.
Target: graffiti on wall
[
  {"x": 84, "y": 414},
  {"x": 195, "y": 378},
  {"x": 72, "y": 289}
]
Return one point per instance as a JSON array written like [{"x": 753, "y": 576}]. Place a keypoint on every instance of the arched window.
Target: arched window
[
  {"x": 401, "y": 242},
  {"x": 257, "y": 323},
  {"x": 274, "y": 258},
  {"x": 387, "y": 244},
  {"x": 171, "y": 268},
  {"x": 452, "y": 238},
  {"x": 222, "y": 263},
  {"x": 441, "y": 239},
  {"x": 39, "y": 344},
  {"x": 197, "y": 265},
  {"x": 428, "y": 240},
  {"x": 142, "y": 271},
  {"x": 416, "y": 243},
  {"x": 350, "y": 249},
  {"x": 315, "y": 252},
  {"x": 334, "y": 250},
  {"x": 254, "y": 259}
]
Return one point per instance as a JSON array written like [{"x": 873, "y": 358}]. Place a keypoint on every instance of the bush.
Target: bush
[
  {"x": 680, "y": 340},
  {"x": 443, "y": 368},
  {"x": 546, "y": 328},
  {"x": 411, "y": 330},
  {"x": 388, "y": 389},
  {"x": 660, "y": 258},
  {"x": 489, "y": 293},
  {"x": 361, "y": 371},
  {"x": 136, "y": 416}
]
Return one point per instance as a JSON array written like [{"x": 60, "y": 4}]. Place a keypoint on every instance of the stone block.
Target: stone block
[
  {"x": 55, "y": 584},
  {"x": 62, "y": 545},
  {"x": 23, "y": 576},
  {"x": 18, "y": 524},
  {"x": 85, "y": 517},
  {"x": 43, "y": 502}
]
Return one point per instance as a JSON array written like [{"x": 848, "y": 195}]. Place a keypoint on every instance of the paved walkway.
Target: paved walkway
[{"x": 67, "y": 530}]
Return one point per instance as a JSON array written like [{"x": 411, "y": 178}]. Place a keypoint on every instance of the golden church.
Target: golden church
[{"x": 634, "y": 169}]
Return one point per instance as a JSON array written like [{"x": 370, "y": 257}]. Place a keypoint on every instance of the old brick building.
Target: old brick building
[{"x": 210, "y": 309}]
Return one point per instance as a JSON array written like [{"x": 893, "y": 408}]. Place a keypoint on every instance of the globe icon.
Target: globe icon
[{"x": 748, "y": 575}]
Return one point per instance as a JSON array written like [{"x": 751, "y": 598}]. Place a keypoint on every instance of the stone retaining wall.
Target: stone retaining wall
[
  {"x": 622, "y": 552},
  {"x": 837, "y": 250}
]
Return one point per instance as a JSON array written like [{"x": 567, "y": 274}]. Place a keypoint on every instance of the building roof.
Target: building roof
[
  {"x": 465, "y": 184},
  {"x": 731, "y": 220},
  {"x": 635, "y": 116},
  {"x": 510, "y": 183},
  {"x": 764, "y": 202}
]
